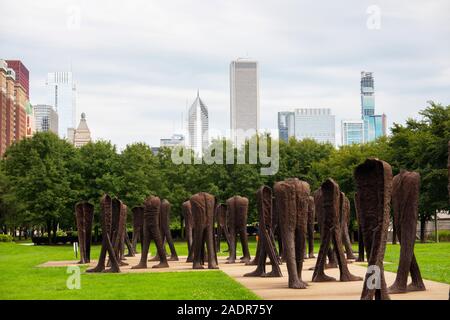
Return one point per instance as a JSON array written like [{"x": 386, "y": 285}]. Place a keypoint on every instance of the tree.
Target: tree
[{"x": 38, "y": 171}]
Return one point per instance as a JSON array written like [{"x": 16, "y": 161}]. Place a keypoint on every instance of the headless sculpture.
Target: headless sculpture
[
  {"x": 84, "y": 214},
  {"x": 222, "y": 229},
  {"x": 188, "y": 228},
  {"x": 203, "y": 206},
  {"x": 310, "y": 227},
  {"x": 138, "y": 226},
  {"x": 405, "y": 202},
  {"x": 331, "y": 233},
  {"x": 119, "y": 223},
  {"x": 152, "y": 206},
  {"x": 374, "y": 189},
  {"x": 291, "y": 198},
  {"x": 265, "y": 243},
  {"x": 345, "y": 220},
  {"x": 106, "y": 207},
  {"x": 237, "y": 208},
  {"x": 332, "y": 259},
  {"x": 165, "y": 229}
]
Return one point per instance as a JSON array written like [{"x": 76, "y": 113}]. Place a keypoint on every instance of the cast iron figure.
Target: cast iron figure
[
  {"x": 152, "y": 207},
  {"x": 237, "y": 208},
  {"x": 265, "y": 243},
  {"x": 291, "y": 197},
  {"x": 374, "y": 189},
  {"x": 405, "y": 202},
  {"x": 310, "y": 227},
  {"x": 84, "y": 214},
  {"x": 165, "y": 229},
  {"x": 119, "y": 223},
  {"x": 188, "y": 228},
  {"x": 345, "y": 220},
  {"x": 203, "y": 205},
  {"x": 138, "y": 226},
  {"x": 222, "y": 229},
  {"x": 106, "y": 207},
  {"x": 331, "y": 228}
]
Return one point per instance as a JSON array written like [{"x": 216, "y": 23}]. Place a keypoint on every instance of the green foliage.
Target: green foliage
[
  {"x": 444, "y": 236},
  {"x": 6, "y": 238}
]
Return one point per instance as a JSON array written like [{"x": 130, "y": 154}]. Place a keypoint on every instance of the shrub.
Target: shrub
[
  {"x": 444, "y": 236},
  {"x": 5, "y": 238}
]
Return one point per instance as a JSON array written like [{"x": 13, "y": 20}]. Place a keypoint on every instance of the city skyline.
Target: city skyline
[{"x": 156, "y": 66}]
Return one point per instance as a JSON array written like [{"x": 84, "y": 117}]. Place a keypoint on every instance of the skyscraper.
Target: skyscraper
[
  {"x": 82, "y": 135},
  {"x": 198, "y": 125},
  {"x": 13, "y": 107},
  {"x": 22, "y": 75},
  {"x": 286, "y": 125},
  {"x": 46, "y": 118},
  {"x": 352, "y": 131},
  {"x": 244, "y": 98},
  {"x": 315, "y": 123},
  {"x": 374, "y": 125},
  {"x": 61, "y": 93}
]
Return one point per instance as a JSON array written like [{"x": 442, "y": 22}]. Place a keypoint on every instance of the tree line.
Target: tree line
[{"x": 43, "y": 177}]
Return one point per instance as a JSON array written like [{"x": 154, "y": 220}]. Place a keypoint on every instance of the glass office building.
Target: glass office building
[
  {"x": 315, "y": 123},
  {"x": 352, "y": 131},
  {"x": 286, "y": 125}
]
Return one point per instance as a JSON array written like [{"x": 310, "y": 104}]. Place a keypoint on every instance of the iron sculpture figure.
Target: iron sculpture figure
[
  {"x": 203, "y": 206},
  {"x": 237, "y": 208},
  {"x": 374, "y": 190},
  {"x": 345, "y": 221},
  {"x": 222, "y": 228},
  {"x": 265, "y": 243},
  {"x": 106, "y": 207},
  {"x": 138, "y": 226},
  {"x": 84, "y": 214},
  {"x": 152, "y": 207},
  {"x": 291, "y": 196},
  {"x": 188, "y": 228},
  {"x": 405, "y": 202},
  {"x": 331, "y": 228}
]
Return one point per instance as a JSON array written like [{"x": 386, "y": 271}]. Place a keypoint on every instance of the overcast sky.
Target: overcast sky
[{"x": 138, "y": 63}]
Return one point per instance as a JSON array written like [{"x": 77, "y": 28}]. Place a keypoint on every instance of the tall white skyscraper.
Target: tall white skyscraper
[
  {"x": 61, "y": 94},
  {"x": 315, "y": 123},
  {"x": 198, "y": 125},
  {"x": 244, "y": 98}
]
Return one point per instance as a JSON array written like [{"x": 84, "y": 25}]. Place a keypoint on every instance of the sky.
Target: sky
[{"x": 139, "y": 64}]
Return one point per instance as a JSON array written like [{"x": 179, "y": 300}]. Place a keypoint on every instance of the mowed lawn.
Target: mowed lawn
[{"x": 21, "y": 279}]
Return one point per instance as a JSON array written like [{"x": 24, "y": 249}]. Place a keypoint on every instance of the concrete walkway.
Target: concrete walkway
[{"x": 276, "y": 288}]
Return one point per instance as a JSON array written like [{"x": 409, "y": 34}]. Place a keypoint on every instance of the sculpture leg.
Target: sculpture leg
[
  {"x": 145, "y": 246},
  {"x": 212, "y": 257},
  {"x": 112, "y": 258},
  {"x": 345, "y": 274},
  {"x": 88, "y": 231},
  {"x": 347, "y": 243},
  {"x": 289, "y": 241},
  {"x": 161, "y": 253},
  {"x": 417, "y": 282},
  {"x": 198, "y": 245},
  {"x": 173, "y": 252},
  {"x": 244, "y": 241},
  {"x": 101, "y": 260},
  {"x": 300, "y": 241},
  {"x": 332, "y": 259},
  {"x": 319, "y": 271},
  {"x": 257, "y": 254},
  {"x": 311, "y": 240},
  {"x": 233, "y": 244},
  {"x": 360, "y": 245},
  {"x": 190, "y": 244}
]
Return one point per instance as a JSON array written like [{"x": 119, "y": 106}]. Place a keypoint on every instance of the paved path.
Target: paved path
[{"x": 276, "y": 288}]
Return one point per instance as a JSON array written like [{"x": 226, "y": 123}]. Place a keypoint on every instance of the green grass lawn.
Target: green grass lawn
[{"x": 21, "y": 279}]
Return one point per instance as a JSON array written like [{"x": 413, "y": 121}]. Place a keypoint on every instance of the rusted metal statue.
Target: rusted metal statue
[
  {"x": 106, "y": 206},
  {"x": 331, "y": 233},
  {"x": 360, "y": 234},
  {"x": 188, "y": 228},
  {"x": 310, "y": 227},
  {"x": 152, "y": 207},
  {"x": 203, "y": 206},
  {"x": 165, "y": 229},
  {"x": 345, "y": 221},
  {"x": 84, "y": 214},
  {"x": 405, "y": 202},
  {"x": 266, "y": 240},
  {"x": 318, "y": 205},
  {"x": 222, "y": 228},
  {"x": 291, "y": 196},
  {"x": 374, "y": 190},
  {"x": 237, "y": 208},
  {"x": 138, "y": 226}
]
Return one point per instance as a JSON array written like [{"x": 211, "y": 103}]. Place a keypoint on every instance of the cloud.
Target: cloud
[{"x": 138, "y": 64}]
